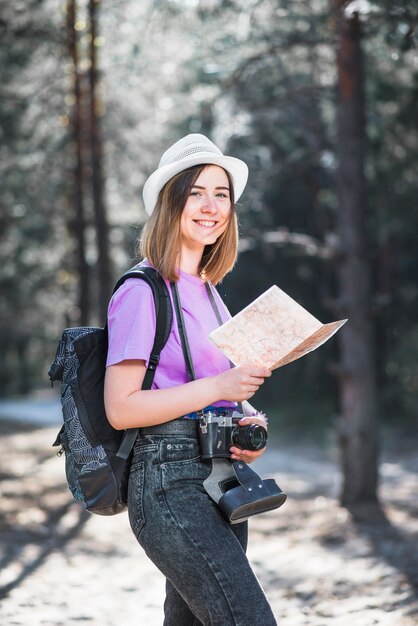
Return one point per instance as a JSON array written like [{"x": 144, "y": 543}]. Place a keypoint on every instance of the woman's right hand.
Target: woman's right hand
[{"x": 240, "y": 383}]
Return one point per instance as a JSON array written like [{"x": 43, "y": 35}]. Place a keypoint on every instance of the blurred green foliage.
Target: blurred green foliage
[{"x": 259, "y": 78}]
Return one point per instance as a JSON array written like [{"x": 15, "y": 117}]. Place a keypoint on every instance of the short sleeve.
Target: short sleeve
[{"x": 131, "y": 322}]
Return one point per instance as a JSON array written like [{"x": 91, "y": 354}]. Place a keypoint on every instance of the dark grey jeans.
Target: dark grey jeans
[{"x": 209, "y": 578}]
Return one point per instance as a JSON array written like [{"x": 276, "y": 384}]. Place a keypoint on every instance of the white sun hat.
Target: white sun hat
[{"x": 194, "y": 149}]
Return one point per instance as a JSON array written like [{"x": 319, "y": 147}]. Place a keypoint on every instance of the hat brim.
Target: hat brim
[{"x": 235, "y": 167}]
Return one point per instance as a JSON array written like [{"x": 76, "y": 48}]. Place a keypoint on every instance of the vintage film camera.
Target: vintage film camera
[
  {"x": 238, "y": 491},
  {"x": 218, "y": 431}
]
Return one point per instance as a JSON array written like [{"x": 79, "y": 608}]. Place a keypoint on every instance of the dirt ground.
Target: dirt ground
[{"x": 318, "y": 563}]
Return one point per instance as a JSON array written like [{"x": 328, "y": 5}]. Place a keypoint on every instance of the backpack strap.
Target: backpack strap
[{"x": 164, "y": 318}]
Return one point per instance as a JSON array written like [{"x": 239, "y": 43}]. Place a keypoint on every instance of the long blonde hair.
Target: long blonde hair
[{"x": 160, "y": 240}]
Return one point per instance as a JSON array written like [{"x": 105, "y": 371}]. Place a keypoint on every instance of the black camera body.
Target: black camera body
[{"x": 219, "y": 431}]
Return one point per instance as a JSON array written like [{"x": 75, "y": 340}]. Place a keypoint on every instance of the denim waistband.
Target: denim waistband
[
  {"x": 175, "y": 427},
  {"x": 187, "y": 425}
]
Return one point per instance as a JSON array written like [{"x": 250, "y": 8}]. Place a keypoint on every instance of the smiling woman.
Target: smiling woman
[
  {"x": 205, "y": 215},
  {"x": 200, "y": 194},
  {"x": 191, "y": 238}
]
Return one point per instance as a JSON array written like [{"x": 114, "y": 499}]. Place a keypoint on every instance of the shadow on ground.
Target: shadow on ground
[
  {"x": 320, "y": 564},
  {"x": 36, "y": 516}
]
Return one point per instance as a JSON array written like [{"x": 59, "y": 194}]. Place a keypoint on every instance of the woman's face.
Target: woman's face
[{"x": 206, "y": 212}]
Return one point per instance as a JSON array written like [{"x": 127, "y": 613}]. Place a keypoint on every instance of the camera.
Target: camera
[{"x": 218, "y": 431}]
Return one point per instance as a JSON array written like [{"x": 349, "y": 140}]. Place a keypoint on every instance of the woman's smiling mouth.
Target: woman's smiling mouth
[{"x": 205, "y": 223}]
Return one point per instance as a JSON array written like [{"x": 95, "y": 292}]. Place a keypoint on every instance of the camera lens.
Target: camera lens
[{"x": 249, "y": 437}]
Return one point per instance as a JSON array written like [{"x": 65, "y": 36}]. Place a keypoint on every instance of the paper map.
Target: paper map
[{"x": 272, "y": 331}]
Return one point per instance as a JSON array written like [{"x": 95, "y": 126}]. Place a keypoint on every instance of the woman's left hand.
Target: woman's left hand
[{"x": 248, "y": 456}]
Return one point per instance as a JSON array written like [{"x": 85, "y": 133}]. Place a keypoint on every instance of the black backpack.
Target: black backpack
[{"x": 98, "y": 457}]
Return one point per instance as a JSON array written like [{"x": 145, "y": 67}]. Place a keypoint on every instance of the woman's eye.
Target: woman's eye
[
  {"x": 222, "y": 195},
  {"x": 195, "y": 193}
]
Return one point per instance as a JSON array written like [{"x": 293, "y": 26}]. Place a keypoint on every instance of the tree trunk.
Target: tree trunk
[
  {"x": 104, "y": 272},
  {"x": 78, "y": 193},
  {"x": 358, "y": 390}
]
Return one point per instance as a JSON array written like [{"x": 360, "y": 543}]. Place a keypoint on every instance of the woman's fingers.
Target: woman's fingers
[
  {"x": 256, "y": 419},
  {"x": 247, "y": 456},
  {"x": 241, "y": 383}
]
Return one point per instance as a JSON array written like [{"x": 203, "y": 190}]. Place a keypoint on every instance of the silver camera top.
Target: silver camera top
[{"x": 224, "y": 420}]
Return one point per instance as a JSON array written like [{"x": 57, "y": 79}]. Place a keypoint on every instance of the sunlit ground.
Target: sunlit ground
[{"x": 318, "y": 566}]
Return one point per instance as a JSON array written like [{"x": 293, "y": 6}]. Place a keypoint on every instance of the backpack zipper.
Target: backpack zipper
[{"x": 61, "y": 440}]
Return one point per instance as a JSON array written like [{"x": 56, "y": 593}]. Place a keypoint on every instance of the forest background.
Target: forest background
[{"x": 318, "y": 97}]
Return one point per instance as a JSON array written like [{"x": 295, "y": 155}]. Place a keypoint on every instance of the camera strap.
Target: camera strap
[
  {"x": 182, "y": 331},
  {"x": 240, "y": 492},
  {"x": 236, "y": 488},
  {"x": 182, "y": 326},
  {"x": 213, "y": 303}
]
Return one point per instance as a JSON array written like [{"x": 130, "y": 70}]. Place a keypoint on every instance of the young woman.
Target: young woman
[{"x": 191, "y": 239}]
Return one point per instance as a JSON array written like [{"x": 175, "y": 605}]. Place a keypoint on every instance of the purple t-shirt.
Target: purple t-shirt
[{"x": 131, "y": 324}]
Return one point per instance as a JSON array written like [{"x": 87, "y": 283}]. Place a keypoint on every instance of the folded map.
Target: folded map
[{"x": 272, "y": 331}]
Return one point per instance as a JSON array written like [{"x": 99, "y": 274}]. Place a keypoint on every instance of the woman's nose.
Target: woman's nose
[{"x": 209, "y": 205}]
